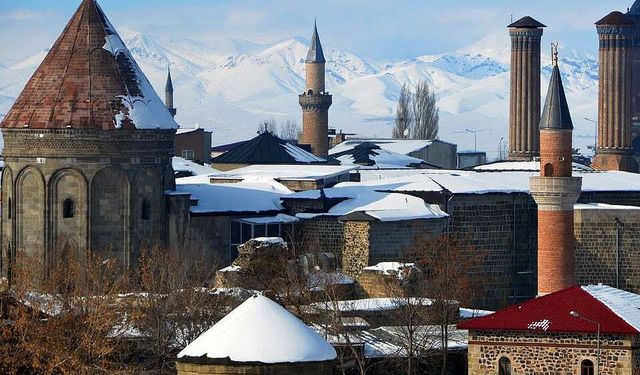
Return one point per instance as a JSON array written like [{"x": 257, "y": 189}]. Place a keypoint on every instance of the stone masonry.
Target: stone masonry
[{"x": 542, "y": 353}]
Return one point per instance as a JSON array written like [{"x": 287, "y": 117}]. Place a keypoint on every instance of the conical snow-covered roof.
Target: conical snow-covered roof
[
  {"x": 89, "y": 80},
  {"x": 260, "y": 330}
]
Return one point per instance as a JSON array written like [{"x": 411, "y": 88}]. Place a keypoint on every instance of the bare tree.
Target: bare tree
[
  {"x": 289, "y": 130},
  {"x": 403, "y": 120},
  {"x": 425, "y": 112},
  {"x": 268, "y": 125}
]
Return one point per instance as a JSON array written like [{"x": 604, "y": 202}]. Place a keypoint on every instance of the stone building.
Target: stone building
[
  {"x": 258, "y": 337},
  {"x": 194, "y": 144},
  {"x": 87, "y": 150},
  {"x": 555, "y": 191},
  {"x": 608, "y": 245},
  {"x": 524, "y": 107},
  {"x": 315, "y": 100},
  {"x": 580, "y": 330},
  {"x": 614, "y": 151}
]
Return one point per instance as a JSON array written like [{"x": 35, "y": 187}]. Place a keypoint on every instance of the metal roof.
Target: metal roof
[
  {"x": 551, "y": 313},
  {"x": 315, "y": 54},
  {"x": 555, "y": 114}
]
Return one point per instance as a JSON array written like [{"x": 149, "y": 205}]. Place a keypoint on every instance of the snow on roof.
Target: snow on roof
[
  {"x": 391, "y": 341},
  {"x": 390, "y": 268},
  {"x": 301, "y": 155},
  {"x": 372, "y": 304},
  {"x": 530, "y": 166},
  {"x": 624, "y": 304},
  {"x": 277, "y": 219},
  {"x": 401, "y": 146},
  {"x": 286, "y": 172},
  {"x": 602, "y": 206},
  {"x": 384, "y": 207},
  {"x": 186, "y": 130},
  {"x": 466, "y": 313},
  {"x": 617, "y": 312},
  {"x": 260, "y": 330},
  {"x": 183, "y": 165},
  {"x": 250, "y": 195}
]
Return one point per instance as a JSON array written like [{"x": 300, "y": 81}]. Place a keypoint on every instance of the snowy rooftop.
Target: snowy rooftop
[
  {"x": 383, "y": 206},
  {"x": 603, "y": 206},
  {"x": 624, "y": 304},
  {"x": 370, "y": 155},
  {"x": 183, "y": 165},
  {"x": 390, "y": 268},
  {"x": 372, "y": 304},
  {"x": 260, "y": 330},
  {"x": 526, "y": 166},
  {"x": 286, "y": 172},
  {"x": 250, "y": 195},
  {"x": 401, "y": 146}
]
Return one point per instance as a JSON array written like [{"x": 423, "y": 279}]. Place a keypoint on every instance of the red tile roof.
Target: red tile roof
[
  {"x": 551, "y": 313},
  {"x": 88, "y": 80}
]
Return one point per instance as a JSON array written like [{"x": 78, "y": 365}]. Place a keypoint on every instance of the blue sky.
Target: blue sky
[{"x": 383, "y": 29}]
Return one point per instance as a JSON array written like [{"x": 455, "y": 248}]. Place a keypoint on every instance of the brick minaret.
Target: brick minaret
[
  {"x": 168, "y": 94},
  {"x": 613, "y": 152},
  {"x": 634, "y": 15},
  {"x": 555, "y": 191},
  {"x": 315, "y": 101},
  {"x": 524, "y": 109}
]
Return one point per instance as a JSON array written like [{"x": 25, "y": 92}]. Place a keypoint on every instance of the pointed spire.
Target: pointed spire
[
  {"x": 168, "y": 87},
  {"x": 315, "y": 54},
  {"x": 555, "y": 114}
]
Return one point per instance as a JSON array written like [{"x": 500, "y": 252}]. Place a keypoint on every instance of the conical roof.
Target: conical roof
[
  {"x": 88, "y": 80},
  {"x": 315, "y": 54},
  {"x": 168, "y": 87},
  {"x": 527, "y": 22},
  {"x": 615, "y": 19},
  {"x": 260, "y": 330},
  {"x": 635, "y": 8},
  {"x": 555, "y": 114}
]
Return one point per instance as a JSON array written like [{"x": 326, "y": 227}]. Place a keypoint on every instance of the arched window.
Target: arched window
[
  {"x": 146, "y": 209},
  {"x": 548, "y": 170},
  {"x": 586, "y": 367},
  {"x": 68, "y": 208},
  {"x": 310, "y": 92},
  {"x": 9, "y": 208},
  {"x": 504, "y": 366}
]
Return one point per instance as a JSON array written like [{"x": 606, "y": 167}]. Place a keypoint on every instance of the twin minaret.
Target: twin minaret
[{"x": 315, "y": 101}]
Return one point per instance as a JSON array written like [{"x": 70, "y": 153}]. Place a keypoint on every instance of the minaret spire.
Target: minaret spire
[{"x": 168, "y": 93}]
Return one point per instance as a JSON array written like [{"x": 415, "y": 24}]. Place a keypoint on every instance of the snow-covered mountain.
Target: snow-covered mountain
[{"x": 229, "y": 85}]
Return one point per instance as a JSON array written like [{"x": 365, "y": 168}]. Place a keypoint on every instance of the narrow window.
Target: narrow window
[
  {"x": 504, "y": 366},
  {"x": 146, "y": 209},
  {"x": 68, "y": 208},
  {"x": 10, "y": 208},
  {"x": 548, "y": 170},
  {"x": 586, "y": 367}
]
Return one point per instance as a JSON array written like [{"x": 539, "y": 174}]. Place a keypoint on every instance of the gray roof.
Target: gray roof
[
  {"x": 615, "y": 19},
  {"x": 555, "y": 114},
  {"x": 315, "y": 54},
  {"x": 527, "y": 22},
  {"x": 635, "y": 8},
  {"x": 168, "y": 87}
]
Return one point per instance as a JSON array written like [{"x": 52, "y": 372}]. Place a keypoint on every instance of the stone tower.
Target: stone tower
[
  {"x": 524, "y": 102},
  {"x": 315, "y": 101},
  {"x": 613, "y": 152},
  {"x": 87, "y": 150},
  {"x": 555, "y": 191},
  {"x": 168, "y": 94}
]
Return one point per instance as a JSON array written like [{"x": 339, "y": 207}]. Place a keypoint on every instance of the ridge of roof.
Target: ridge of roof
[
  {"x": 615, "y": 18},
  {"x": 527, "y": 22}
]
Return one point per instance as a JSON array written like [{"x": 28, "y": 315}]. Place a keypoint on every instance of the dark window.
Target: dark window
[
  {"x": 146, "y": 209},
  {"x": 504, "y": 366},
  {"x": 235, "y": 233},
  {"x": 9, "y": 208},
  {"x": 548, "y": 170},
  {"x": 68, "y": 208},
  {"x": 258, "y": 230},
  {"x": 273, "y": 230},
  {"x": 246, "y": 232},
  {"x": 586, "y": 367}
]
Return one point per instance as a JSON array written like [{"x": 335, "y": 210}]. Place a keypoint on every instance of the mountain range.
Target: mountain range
[{"x": 229, "y": 85}]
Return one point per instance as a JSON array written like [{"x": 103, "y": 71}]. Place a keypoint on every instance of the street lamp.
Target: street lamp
[
  {"x": 475, "y": 138},
  {"x": 595, "y": 134},
  {"x": 575, "y": 314}
]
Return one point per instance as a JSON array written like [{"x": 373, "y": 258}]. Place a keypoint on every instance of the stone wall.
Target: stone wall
[
  {"x": 596, "y": 236},
  {"x": 323, "y": 235},
  {"x": 301, "y": 368},
  {"x": 355, "y": 255},
  {"x": 502, "y": 228},
  {"x": 627, "y": 198},
  {"x": 551, "y": 353},
  {"x": 389, "y": 241}
]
